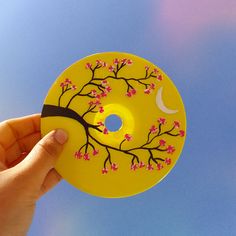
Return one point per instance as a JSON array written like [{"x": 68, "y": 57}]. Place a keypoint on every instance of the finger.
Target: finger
[
  {"x": 17, "y": 160},
  {"x": 20, "y": 147},
  {"x": 15, "y": 129},
  {"x": 52, "y": 179},
  {"x": 44, "y": 155}
]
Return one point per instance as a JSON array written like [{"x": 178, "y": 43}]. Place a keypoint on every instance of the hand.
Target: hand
[{"x": 26, "y": 170}]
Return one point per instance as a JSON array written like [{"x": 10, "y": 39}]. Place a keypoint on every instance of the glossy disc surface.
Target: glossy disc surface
[{"x": 126, "y": 123}]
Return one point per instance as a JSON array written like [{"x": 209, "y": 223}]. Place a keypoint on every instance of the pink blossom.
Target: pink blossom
[
  {"x": 93, "y": 92},
  {"x": 155, "y": 70},
  {"x": 98, "y": 62},
  {"x": 108, "y": 89},
  {"x": 111, "y": 68},
  {"x": 146, "y": 68},
  {"x": 114, "y": 166},
  {"x": 73, "y": 87},
  {"x": 162, "y": 120},
  {"x": 116, "y": 61},
  {"x": 104, "y": 64},
  {"x": 181, "y": 133},
  {"x": 97, "y": 102},
  {"x": 162, "y": 142},
  {"x": 128, "y": 137},
  {"x": 104, "y": 171},
  {"x": 168, "y": 161},
  {"x": 150, "y": 167},
  {"x": 68, "y": 81},
  {"x": 105, "y": 131},
  {"x": 103, "y": 94},
  {"x": 98, "y": 96},
  {"x": 170, "y": 149},
  {"x": 95, "y": 152},
  {"x": 78, "y": 155},
  {"x": 124, "y": 60},
  {"x": 129, "y": 62},
  {"x": 176, "y": 124},
  {"x": 134, "y": 167},
  {"x": 100, "y": 123},
  {"x": 88, "y": 65},
  {"x": 91, "y": 103},
  {"x": 159, "y": 166},
  {"x": 86, "y": 157},
  {"x": 62, "y": 85},
  {"x": 133, "y": 91},
  {"x": 129, "y": 94},
  {"x": 147, "y": 91},
  {"x": 153, "y": 129},
  {"x": 101, "y": 109},
  {"x": 141, "y": 165},
  {"x": 104, "y": 82},
  {"x": 152, "y": 86},
  {"x": 160, "y": 78}
]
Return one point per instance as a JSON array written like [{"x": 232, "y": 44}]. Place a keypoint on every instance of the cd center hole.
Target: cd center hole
[{"x": 113, "y": 123}]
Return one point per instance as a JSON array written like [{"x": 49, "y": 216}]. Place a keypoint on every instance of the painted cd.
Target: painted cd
[{"x": 126, "y": 123}]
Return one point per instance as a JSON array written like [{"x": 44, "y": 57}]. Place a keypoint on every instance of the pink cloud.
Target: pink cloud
[{"x": 183, "y": 20}]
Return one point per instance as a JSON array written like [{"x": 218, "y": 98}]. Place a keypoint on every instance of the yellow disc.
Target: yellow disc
[{"x": 146, "y": 143}]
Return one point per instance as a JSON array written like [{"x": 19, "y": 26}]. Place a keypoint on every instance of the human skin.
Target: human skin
[{"x": 26, "y": 170}]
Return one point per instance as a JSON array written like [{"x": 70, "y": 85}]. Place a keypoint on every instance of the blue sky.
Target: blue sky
[{"x": 194, "y": 43}]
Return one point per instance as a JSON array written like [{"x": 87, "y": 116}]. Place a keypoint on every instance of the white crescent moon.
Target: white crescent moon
[{"x": 161, "y": 104}]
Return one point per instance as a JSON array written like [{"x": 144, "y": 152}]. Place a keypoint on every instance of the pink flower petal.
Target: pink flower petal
[
  {"x": 141, "y": 165},
  {"x": 78, "y": 155},
  {"x": 108, "y": 89},
  {"x": 168, "y": 161},
  {"x": 162, "y": 120},
  {"x": 129, "y": 62},
  {"x": 162, "y": 142},
  {"x": 111, "y": 68},
  {"x": 150, "y": 167},
  {"x": 86, "y": 157},
  {"x": 128, "y": 137},
  {"x": 88, "y": 65},
  {"x": 181, "y": 133},
  {"x": 147, "y": 91},
  {"x": 153, "y": 129},
  {"x": 176, "y": 124},
  {"x": 73, "y": 87},
  {"x": 159, "y": 166},
  {"x": 100, "y": 123},
  {"x": 114, "y": 166},
  {"x": 170, "y": 149},
  {"x": 155, "y": 70},
  {"x": 116, "y": 61},
  {"x": 134, "y": 167},
  {"x": 160, "y": 78},
  {"x": 105, "y": 131},
  {"x": 104, "y": 171},
  {"x": 129, "y": 94},
  {"x": 101, "y": 109},
  {"x": 133, "y": 91},
  {"x": 95, "y": 152},
  {"x": 68, "y": 81}
]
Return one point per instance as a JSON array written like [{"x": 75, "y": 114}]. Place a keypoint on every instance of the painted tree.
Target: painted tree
[{"x": 155, "y": 140}]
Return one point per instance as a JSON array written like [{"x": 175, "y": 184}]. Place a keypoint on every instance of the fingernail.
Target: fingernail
[{"x": 61, "y": 136}]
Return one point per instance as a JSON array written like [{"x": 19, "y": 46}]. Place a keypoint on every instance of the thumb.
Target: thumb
[{"x": 45, "y": 153}]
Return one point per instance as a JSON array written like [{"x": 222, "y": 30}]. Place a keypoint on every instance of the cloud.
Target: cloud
[{"x": 183, "y": 21}]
